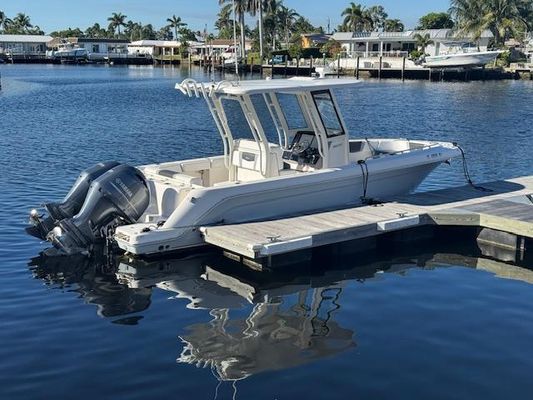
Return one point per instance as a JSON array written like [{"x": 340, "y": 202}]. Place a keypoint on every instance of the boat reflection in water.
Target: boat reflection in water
[
  {"x": 261, "y": 321},
  {"x": 96, "y": 283}
]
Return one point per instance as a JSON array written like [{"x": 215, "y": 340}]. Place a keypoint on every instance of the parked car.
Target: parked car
[{"x": 277, "y": 59}]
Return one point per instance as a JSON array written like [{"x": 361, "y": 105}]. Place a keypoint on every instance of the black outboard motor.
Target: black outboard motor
[
  {"x": 72, "y": 203},
  {"x": 118, "y": 197}
]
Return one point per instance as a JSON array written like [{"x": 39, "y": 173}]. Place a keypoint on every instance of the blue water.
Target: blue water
[{"x": 417, "y": 325}]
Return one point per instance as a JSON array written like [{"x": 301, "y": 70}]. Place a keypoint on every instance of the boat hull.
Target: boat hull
[
  {"x": 281, "y": 197},
  {"x": 462, "y": 60}
]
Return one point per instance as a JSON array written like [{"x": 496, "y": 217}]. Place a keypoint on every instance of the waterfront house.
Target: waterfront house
[
  {"x": 216, "y": 47},
  {"x": 375, "y": 44},
  {"x": 24, "y": 46},
  {"x": 99, "y": 49},
  {"x": 159, "y": 50}
]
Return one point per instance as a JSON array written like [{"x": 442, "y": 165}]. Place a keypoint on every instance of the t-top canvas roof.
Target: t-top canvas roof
[{"x": 291, "y": 85}]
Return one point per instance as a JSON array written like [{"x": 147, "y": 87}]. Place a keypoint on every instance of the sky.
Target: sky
[{"x": 53, "y": 15}]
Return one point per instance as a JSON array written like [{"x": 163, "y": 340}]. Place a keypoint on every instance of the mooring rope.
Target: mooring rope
[
  {"x": 466, "y": 172},
  {"x": 365, "y": 174}
]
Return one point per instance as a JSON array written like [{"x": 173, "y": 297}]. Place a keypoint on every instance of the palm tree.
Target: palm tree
[
  {"x": 378, "y": 16},
  {"x": 116, "y": 21},
  {"x": 504, "y": 18},
  {"x": 287, "y": 17},
  {"x": 423, "y": 41},
  {"x": 271, "y": 21},
  {"x": 256, "y": 7},
  {"x": 3, "y": 19},
  {"x": 96, "y": 31},
  {"x": 393, "y": 25},
  {"x": 176, "y": 23},
  {"x": 22, "y": 22},
  {"x": 240, "y": 11},
  {"x": 224, "y": 22},
  {"x": 355, "y": 18}
]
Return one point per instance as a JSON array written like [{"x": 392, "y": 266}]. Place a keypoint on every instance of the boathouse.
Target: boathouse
[{"x": 24, "y": 46}]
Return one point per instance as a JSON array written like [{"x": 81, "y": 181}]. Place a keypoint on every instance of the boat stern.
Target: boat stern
[{"x": 149, "y": 239}]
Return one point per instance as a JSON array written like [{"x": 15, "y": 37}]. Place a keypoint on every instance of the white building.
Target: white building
[
  {"x": 155, "y": 48},
  {"x": 373, "y": 44},
  {"x": 216, "y": 47},
  {"x": 97, "y": 49},
  {"x": 24, "y": 45}
]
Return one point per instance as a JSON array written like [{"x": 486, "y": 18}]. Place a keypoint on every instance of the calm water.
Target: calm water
[{"x": 425, "y": 323}]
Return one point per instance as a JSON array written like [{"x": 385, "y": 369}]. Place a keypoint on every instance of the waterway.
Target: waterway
[{"x": 432, "y": 321}]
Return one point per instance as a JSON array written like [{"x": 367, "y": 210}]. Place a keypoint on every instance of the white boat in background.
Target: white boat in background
[
  {"x": 230, "y": 54},
  {"x": 461, "y": 55},
  {"x": 67, "y": 52},
  {"x": 286, "y": 152}
]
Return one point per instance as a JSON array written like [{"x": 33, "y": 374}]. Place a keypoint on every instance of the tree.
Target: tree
[
  {"x": 287, "y": 17},
  {"x": 116, "y": 20},
  {"x": 256, "y": 7},
  {"x": 22, "y": 23},
  {"x": 148, "y": 32},
  {"x": 69, "y": 32},
  {"x": 241, "y": 8},
  {"x": 355, "y": 18},
  {"x": 393, "y": 25},
  {"x": 4, "y": 20},
  {"x": 504, "y": 18},
  {"x": 423, "y": 41},
  {"x": 302, "y": 25},
  {"x": 188, "y": 35},
  {"x": 435, "y": 20},
  {"x": 378, "y": 16},
  {"x": 96, "y": 31},
  {"x": 165, "y": 33},
  {"x": 331, "y": 48},
  {"x": 175, "y": 23},
  {"x": 224, "y": 22},
  {"x": 271, "y": 20}
]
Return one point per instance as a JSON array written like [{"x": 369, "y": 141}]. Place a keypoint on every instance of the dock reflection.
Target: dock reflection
[{"x": 259, "y": 321}]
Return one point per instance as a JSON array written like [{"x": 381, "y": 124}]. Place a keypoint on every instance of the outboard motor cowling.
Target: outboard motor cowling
[
  {"x": 72, "y": 203},
  {"x": 118, "y": 197},
  {"x": 75, "y": 198}
]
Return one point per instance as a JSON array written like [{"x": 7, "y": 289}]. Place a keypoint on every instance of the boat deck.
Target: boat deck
[{"x": 506, "y": 207}]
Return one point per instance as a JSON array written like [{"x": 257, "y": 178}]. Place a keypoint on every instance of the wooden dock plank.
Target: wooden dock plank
[{"x": 504, "y": 208}]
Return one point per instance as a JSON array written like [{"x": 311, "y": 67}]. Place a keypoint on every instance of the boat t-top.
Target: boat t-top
[{"x": 286, "y": 151}]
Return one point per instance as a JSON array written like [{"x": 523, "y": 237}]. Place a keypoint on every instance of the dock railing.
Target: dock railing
[{"x": 375, "y": 54}]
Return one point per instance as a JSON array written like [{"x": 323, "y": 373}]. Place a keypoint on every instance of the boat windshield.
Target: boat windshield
[
  {"x": 237, "y": 122},
  {"x": 328, "y": 113},
  {"x": 292, "y": 111}
]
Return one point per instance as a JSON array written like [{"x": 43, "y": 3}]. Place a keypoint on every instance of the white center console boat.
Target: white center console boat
[{"x": 312, "y": 166}]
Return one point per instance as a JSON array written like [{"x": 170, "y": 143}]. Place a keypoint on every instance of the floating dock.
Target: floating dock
[{"x": 502, "y": 214}]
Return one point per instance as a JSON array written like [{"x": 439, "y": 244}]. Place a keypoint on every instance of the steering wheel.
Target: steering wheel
[{"x": 301, "y": 147}]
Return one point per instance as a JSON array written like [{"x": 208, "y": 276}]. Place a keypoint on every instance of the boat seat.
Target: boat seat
[
  {"x": 246, "y": 158},
  {"x": 183, "y": 179},
  {"x": 200, "y": 164},
  {"x": 216, "y": 162}
]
